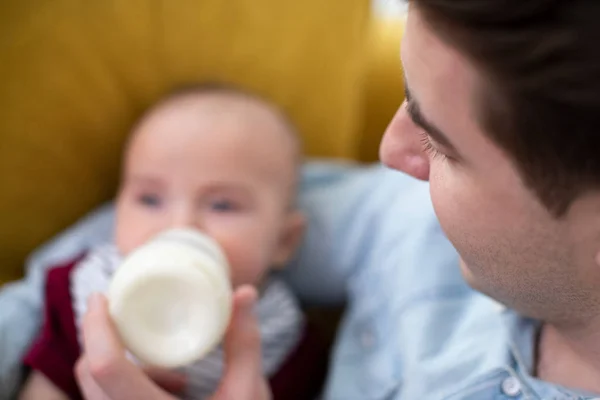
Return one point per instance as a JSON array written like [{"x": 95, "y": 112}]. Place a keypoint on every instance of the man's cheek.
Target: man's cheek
[
  {"x": 457, "y": 214},
  {"x": 445, "y": 205}
]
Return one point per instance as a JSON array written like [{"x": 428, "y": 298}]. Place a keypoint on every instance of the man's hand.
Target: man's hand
[
  {"x": 104, "y": 373},
  {"x": 243, "y": 378},
  {"x": 172, "y": 382}
]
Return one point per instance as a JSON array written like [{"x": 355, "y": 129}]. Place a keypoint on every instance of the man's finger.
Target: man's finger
[
  {"x": 242, "y": 342},
  {"x": 243, "y": 370},
  {"x": 173, "y": 382},
  {"x": 104, "y": 354},
  {"x": 101, "y": 342},
  {"x": 89, "y": 388}
]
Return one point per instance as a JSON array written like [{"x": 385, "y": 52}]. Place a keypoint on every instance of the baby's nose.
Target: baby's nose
[{"x": 186, "y": 218}]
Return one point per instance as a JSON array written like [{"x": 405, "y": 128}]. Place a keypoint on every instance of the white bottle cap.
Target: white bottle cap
[{"x": 171, "y": 298}]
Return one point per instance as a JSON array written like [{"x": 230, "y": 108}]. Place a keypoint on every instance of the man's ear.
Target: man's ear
[{"x": 290, "y": 238}]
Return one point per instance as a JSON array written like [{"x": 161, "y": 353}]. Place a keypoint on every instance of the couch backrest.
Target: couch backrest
[{"x": 76, "y": 74}]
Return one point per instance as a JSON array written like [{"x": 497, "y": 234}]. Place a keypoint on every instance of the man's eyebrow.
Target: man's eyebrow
[{"x": 414, "y": 112}]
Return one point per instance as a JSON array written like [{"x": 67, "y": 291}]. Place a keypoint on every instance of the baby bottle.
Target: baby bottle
[{"x": 170, "y": 299}]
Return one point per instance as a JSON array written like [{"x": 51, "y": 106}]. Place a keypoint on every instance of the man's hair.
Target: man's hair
[{"x": 539, "y": 98}]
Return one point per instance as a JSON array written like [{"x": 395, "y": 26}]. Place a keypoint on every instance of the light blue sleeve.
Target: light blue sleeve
[
  {"x": 345, "y": 207},
  {"x": 21, "y": 302}
]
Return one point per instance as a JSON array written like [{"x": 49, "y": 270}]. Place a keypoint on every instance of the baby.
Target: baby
[{"x": 216, "y": 159}]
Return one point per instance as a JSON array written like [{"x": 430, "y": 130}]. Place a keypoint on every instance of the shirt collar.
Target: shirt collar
[{"x": 524, "y": 334}]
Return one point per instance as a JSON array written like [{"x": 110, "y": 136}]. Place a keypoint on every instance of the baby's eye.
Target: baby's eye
[
  {"x": 223, "y": 205},
  {"x": 149, "y": 200}
]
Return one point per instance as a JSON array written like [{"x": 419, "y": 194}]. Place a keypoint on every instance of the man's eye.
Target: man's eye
[
  {"x": 428, "y": 146},
  {"x": 149, "y": 200},
  {"x": 223, "y": 205}
]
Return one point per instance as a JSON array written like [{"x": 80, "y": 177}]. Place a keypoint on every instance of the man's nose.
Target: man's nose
[{"x": 402, "y": 149}]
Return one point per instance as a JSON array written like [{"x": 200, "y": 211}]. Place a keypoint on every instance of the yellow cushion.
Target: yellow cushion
[
  {"x": 384, "y": 83},
  {"x": 75, "y": 74}
]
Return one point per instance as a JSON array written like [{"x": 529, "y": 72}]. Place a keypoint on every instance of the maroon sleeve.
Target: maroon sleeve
[
  {"x": 303, "y": 374},
  {"x": 56, "y": 349}
]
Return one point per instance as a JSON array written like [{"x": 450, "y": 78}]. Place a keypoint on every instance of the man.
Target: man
[{"x": 503, "y": 104}]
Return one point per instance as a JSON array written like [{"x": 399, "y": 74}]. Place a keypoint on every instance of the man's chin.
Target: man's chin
[
  {"x": 472, "y": 281},
  {"x": 467, "y": 274}
]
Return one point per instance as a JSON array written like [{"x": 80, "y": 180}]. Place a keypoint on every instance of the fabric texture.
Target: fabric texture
[
  {"x": 56, "y": 350},
  {"x": 297, "y": 374},
  {"x": 413, "y": 330},
  {"x": 21, "y": 302},
  {"x": 75, "y": 75},
  {"x": 280, "y": 319}
]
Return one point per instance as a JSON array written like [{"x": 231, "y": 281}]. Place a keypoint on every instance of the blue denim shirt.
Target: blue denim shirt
[{"x": 414, "y": 330}]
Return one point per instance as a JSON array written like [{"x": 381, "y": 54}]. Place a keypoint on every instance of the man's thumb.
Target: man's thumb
[
  {"x": 242, "y": 341},
  {"x": 243, "y": 377}
]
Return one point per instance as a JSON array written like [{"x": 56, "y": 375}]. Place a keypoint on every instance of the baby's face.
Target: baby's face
[{"x": 223, "y": 165}]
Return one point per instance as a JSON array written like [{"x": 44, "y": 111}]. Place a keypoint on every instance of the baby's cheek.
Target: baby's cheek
[
  {"x": 133, "y": 231},
  {"x": 128, "y": 238},
  {"x": 246, "y": 248},
  {"x": 248, "y": 266},
  {"x": 248, "y": 274},
  {"x": 124, "y": 236}
]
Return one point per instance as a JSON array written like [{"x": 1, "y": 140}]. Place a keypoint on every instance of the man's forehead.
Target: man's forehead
[
  {"x": 424, "y": 49},
  {"x": 441, "y": 80}
]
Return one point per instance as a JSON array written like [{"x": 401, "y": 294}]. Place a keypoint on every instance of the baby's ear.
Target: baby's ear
[{"x": 289, "y": 240}]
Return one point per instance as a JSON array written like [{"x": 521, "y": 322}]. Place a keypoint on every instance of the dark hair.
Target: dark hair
[{"x": 540, "y": 94}]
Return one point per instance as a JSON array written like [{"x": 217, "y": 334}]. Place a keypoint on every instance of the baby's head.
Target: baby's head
[{"x": 219, "y": 160}]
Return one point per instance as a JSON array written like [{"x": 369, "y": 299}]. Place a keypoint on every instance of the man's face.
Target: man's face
[{"x": 511, "y": 247}]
